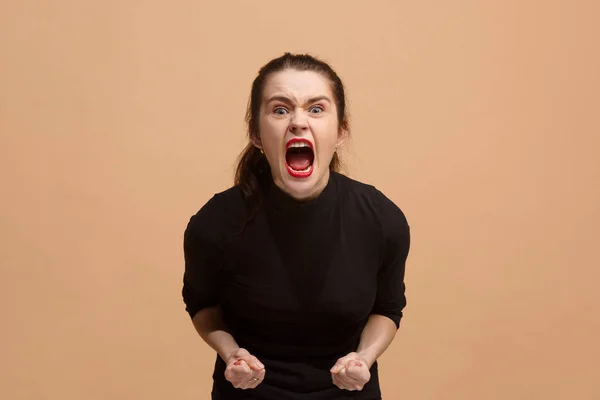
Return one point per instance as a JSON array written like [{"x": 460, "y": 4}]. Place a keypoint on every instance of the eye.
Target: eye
[
  {"x": 280, "y": 111},
  {"x": 316, "y": 109}
]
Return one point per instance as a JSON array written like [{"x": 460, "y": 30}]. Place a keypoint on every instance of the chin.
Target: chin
[{"x": 301, "y": 185}]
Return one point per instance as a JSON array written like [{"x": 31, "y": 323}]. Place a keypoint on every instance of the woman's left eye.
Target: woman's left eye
[{"x": 316, "y": 109}]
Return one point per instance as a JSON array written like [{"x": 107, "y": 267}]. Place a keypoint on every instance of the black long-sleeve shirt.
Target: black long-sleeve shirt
[{"x": 298, "y": 282}]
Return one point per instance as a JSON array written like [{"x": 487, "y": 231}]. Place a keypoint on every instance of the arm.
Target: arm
[
  {"x": 202, "y": 284},
  {"x": 390, "y": 301},
  {"x": 211, "y": 328},
  {"x": 350, "y": 372},
  {"x": 383, "y": 322},
  {"x": 376, "y": 337}
]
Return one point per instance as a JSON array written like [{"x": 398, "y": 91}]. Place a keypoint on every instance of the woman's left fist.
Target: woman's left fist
[{"x": 350, "y": 372}]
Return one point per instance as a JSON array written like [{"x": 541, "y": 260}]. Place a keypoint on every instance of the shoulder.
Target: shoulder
[
  {"x": 370, "y": 196},
  {"x": 219, "y": 216},
  {"x": 371, "y": 201}
]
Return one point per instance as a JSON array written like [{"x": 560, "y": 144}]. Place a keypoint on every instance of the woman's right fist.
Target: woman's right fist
[{"x": 244, "y": 371}]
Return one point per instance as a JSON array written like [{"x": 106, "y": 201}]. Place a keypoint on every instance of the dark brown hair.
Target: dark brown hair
[{"x": 253, "y": 170}]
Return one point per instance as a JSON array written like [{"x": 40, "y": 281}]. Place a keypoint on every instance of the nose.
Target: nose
[{"x": 298, "y": 124}]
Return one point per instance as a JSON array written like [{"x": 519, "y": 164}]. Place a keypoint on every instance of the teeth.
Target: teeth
[
  {"x": 303, "y": 170},
  {"x": 299, "y": 144}
]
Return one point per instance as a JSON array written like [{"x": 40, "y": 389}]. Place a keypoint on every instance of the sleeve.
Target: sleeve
[
  {"x": 390, "y": 299},
  {"x": 203, "y": 261}
]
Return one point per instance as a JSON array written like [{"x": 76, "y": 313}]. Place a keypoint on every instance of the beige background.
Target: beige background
[{"x": 480, "y": 119}]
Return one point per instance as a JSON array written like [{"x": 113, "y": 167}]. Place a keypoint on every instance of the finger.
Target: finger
[
  {"x": 356, "y": 365},
  {"x": 261, "y": 375},
  {"x": 241, "y": 366},
  {"x": 252, "y": 362},
  {"x": 255, "y": 364},
  {"x": 238, "y": 382},
  {"x": 357, "y": 380},
  {"x": 235, "y": 363},
  {"x": 340, "y": 363},
  {"x": 256, "y": 378},
  {"x": 342, "y": 377},
  {"x": 240, "y": 378},
  {"x": 243, "y": 382},
  {"x": 336, "y": 381},
  {"x": 357, "y": 372},
  {"x": 343, "y": 374},
  {"x": 351, "y": 382},
  {"x": 251, "y": 382},
  {"x": 235, "y": 379},
  {"x": 246, "y": 385},
  {"x": 238, "y": 373},
  {"x": 341, "y": 384}
]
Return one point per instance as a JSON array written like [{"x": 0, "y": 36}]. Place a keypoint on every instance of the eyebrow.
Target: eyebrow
[{"x": 286, "y": 100}]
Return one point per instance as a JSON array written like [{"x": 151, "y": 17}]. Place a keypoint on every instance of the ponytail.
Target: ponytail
[{"x": 251, "y": 175}]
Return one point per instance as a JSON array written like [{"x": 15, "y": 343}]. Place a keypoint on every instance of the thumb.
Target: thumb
[
  {"x": 339, "y": 365},
  {"x": 253, "y": 362},
  {"x": 355, "y": 368},
  {"x": 240, "y": 362}
]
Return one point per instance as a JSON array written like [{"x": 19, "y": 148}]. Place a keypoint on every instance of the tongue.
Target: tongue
[{"x": 299, "y": 161}]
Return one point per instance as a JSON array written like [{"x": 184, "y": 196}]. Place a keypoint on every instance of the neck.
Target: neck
[{"x": 306, "y": 196}]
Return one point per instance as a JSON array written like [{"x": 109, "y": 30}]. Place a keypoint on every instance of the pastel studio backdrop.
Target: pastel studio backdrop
[{"x": 119, "y": 119}]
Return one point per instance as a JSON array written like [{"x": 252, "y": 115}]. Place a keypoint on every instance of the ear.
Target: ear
[
  {"x": 255, "y": 140},
  {"x": 342, "y": 137}
]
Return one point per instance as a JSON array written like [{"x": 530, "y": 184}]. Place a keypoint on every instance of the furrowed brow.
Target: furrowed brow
[
  {"x": 319, "y": 98},
  {"x": 287, "y": 100},
  {"x": 282, "y": 99}
]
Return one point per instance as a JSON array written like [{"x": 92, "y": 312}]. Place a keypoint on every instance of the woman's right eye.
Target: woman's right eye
[{"x": 280, "y": 110}]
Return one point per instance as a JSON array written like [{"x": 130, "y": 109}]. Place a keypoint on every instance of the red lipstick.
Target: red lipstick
[{"x": 300, "y": 143}]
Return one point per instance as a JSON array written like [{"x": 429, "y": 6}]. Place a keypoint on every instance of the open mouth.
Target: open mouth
[{"x": 299, "y": 157}]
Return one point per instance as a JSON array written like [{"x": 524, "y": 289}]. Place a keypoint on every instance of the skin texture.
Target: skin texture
[
  {"x": 243, "y": 370},
  {"x": 352, "y": 371},
  {"x": 297, "y": 104}
]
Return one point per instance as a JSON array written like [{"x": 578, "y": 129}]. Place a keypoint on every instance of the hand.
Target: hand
[
  {"x": 244, "y": 371},
  {"x": 351, "y": 372}
]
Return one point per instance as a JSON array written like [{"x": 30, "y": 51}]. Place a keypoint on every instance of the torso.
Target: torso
[{"x": 298, "y": 285}]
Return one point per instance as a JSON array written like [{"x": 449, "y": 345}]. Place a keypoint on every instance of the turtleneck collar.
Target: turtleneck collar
[{"x": 280, "y": 200}]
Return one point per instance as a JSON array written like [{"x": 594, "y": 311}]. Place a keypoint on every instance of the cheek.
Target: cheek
[
  {"x": 270, "y": 135},
  {"x": 327, "y": 138}
]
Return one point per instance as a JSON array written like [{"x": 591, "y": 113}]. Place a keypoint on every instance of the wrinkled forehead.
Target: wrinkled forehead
[{"x": 299, "y": 86}]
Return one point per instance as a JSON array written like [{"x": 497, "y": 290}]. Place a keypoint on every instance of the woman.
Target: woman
[{"x": 295, "y": 275}]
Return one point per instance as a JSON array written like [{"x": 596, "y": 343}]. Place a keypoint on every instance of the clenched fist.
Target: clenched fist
[
  {"x": 350, "y": 372},
  {"x": 244, "y": 371}
]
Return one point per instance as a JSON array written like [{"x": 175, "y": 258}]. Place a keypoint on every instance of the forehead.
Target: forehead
[{"x": 296, "y": 84}]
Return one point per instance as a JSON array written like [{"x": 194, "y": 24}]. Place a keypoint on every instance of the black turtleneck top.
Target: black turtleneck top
[{"x": 297, "y": 283}]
